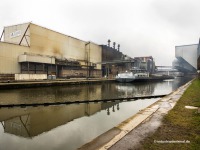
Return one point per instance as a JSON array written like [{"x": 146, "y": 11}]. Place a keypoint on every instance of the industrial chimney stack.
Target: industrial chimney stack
[
  {"x": 109, "y": 42},
  {"x": 118, "y": 47},
  {"x": 114, "y": 45}
]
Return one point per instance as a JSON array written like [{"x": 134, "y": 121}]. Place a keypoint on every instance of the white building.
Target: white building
[{"x": 186, "y": 58}]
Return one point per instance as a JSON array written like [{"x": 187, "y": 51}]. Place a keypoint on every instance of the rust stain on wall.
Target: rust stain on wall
[{"x": 57, "y": 51}]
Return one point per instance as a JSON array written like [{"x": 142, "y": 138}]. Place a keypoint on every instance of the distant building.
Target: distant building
[
  {"x": 114, "y": 61},
  {"x": 146, "y": 63},
  {"x": 198, "y": 57},
  {"x": 111, "y": 54},
  {"x": 198, "y": 63},
  {"x": 31, "y": 49},
  {"x": 186, "y": 58}
]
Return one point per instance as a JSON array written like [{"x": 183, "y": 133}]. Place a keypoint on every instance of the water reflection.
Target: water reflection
[
  {"x": 113, "y": 108},
  {"x": 131, "y": 90},
  {"x": 72, "y": 93},
  {"x": 180, "y": 81},
  {"x": 70, "y": 126},
  {"x": 32, "y": 121},
  {"x": 51, "y": 94}
]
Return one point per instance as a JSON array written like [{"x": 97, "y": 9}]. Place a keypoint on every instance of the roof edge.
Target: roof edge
[
  {"x": 186, "y": 45},
  {"x": 18, "y": 24}
]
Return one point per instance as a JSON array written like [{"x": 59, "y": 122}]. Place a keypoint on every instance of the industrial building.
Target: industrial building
[
  {"x": 186, "y": 58},
  {"x": 146, "y": 63},
  {"x": 113, "y": 61},
  {"x": 29, "y": 51},
  {"x": 198, "y": 57}
]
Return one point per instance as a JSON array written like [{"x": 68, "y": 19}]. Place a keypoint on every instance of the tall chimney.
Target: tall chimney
[
  {"x": 114, "y": 45},
  {"x": 118, "y": 47},
  {"x": 109, "y": 42}
]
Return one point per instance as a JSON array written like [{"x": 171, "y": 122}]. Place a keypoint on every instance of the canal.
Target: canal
[{"x": 73, "y": 125}]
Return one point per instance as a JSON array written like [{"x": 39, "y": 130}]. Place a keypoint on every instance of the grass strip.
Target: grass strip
[{"x": 180, "y": 128}]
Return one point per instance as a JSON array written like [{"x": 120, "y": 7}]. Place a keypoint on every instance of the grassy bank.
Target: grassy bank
[{"x": 180, "y": 128}]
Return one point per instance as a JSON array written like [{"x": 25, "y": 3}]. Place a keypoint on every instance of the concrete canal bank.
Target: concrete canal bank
[
  {"x": 46, "y": 83},
  {"x": 129, "y": 133}
]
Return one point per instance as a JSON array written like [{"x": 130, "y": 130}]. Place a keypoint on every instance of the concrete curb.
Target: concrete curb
[
  {"x": 163, "y": 105},
  {"x": 47, "y": 83}
]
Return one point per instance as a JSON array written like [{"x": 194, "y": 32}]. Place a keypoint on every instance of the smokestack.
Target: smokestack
[
  {"x": 118, "y": 47},
  {"x": 114, "y": 45},
  {"x": 109, "y": 42}
]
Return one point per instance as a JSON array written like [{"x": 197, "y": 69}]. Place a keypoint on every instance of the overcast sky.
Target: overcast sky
[{"x": 141, "y": 27}]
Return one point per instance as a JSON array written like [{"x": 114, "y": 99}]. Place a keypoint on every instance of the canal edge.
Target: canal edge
[
  {"x": 50, "y": 83},
  {"x": 115, "y": 134}
]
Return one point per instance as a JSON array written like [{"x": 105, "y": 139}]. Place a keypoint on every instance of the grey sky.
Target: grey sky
[{"x": 141, "y": 27}]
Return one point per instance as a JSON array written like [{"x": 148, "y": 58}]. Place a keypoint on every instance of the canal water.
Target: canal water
[{"x": 71, "y": 126}]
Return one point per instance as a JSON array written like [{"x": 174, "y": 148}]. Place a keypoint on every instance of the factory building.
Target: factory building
[
  {"x": 145, "y": 63},
  {"x": 186, "y": 58},
  {"x": 29, "y": 49},
  {"x": 114, "y": 61}
]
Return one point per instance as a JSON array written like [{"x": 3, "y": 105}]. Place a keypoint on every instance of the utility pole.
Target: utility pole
[{"x": 51, "y": 67}]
